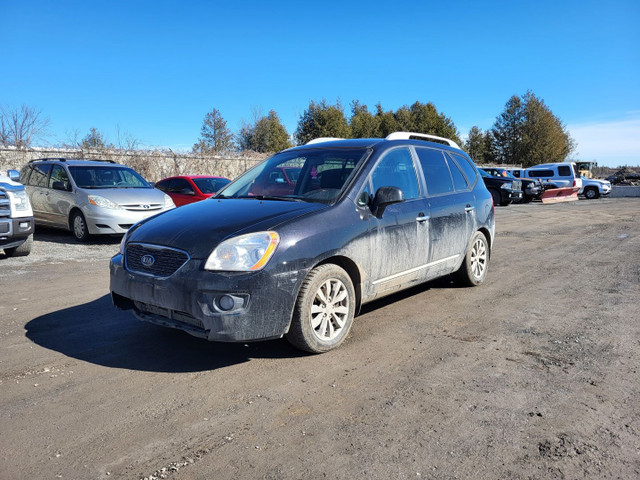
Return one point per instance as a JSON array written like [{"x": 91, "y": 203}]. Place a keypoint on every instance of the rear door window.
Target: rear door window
[
  {"x": 436, "y": 171},
  {"x": 40, "y": 175}
]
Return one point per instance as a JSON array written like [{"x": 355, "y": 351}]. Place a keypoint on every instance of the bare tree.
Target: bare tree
[
  {"x": 20, "y": 127},
  {"x": 126, "y": 141}
]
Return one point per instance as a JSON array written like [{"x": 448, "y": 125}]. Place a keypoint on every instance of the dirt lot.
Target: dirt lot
[{"x": 533, "y": 375}]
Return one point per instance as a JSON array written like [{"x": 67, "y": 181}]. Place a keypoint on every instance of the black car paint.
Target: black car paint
[
  {"x": 345, "y": 233},
  {"x": 507, "y": 195}
]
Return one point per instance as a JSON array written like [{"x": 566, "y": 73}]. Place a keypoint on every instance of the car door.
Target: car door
[
  {"x": 399, "y": 239},
  {"x": 59, "y": 198},
  {"x": 37, "y": 188},
  {"x": 451, "y": 210}
]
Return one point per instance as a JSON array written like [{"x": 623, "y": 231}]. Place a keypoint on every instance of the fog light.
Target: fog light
[
  {"x": 226, "y": 303},
  {"x": 24, "y": 225}
]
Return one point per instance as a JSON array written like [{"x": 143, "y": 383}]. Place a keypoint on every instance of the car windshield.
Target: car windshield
[
  {"x": 107, "y": 177},
  {"x": 315, "y": 175},
  {"x": 210, "y": 185}
]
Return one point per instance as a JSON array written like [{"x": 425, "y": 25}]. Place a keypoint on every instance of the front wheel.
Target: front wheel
[
  {"x": 476, "y": 261},
  {"x": 79, "y": 226},
  {"x": 21, "y": 250},
  {"x": 324, "y": 310},
  {"x": 591, "y": 193}
]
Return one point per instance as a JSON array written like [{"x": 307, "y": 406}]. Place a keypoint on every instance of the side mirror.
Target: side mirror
[
  {"x": 153, "y": 185},
  {"x": 13, "y": 175},
  {"x": 59, "y": 186},
  {"x": 384, "y": 197}
]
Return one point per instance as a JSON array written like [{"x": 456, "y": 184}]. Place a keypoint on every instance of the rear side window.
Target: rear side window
[
  {"x": 396, "y": 169},
  {"x": 466, "y": 167},
  {"x": 564, "y": 170},
  {"x": 436, "y": 171},
  {"x": 39, "y": 175},
  {"x": 540, "y": 173}
]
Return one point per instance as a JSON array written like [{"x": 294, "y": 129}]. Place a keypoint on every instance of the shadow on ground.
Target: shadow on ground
[
  {"x": 97, "y": 333},
  {"x": 56, "y": 235}
]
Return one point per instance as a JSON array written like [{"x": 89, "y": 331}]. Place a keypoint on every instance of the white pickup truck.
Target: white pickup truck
[{"x": 16, "y": 216}]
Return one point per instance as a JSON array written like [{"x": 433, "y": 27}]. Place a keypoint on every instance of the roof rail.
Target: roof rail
[
  {"x": 408, "y": 135},
  {"x": 323, "y": 139},
  {"x": 60, "y": 159},
  {"x": 48, "y": 158}
]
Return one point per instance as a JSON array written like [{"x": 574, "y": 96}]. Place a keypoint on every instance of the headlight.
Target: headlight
[
  {"x": 168, "y": 202},
  {"x": 19, "y": 200},
  {"x": 244, "y": 253},
  {"x": 507, "y": 186},
  {"x": 102, "y": 202}
]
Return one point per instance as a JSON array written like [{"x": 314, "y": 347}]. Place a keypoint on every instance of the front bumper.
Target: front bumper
[
  {"x": 189, "y": 300},
  {"x": 14, "y": 231},
  {"x": 103, "y": 221}
]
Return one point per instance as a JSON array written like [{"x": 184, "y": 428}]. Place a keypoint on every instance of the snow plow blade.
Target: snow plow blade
[{"x": 555, "y": 195}]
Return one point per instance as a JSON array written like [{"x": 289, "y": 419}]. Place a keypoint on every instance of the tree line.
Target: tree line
[{"x": 526, "y": 132}]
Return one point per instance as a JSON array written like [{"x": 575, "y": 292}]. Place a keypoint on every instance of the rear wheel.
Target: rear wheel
[
  {"x": 79, "y": 226},
  {"x": 324, "y": 310},
  {"x": 476, "y": 261},
  {"x": 21, "y": 250}
]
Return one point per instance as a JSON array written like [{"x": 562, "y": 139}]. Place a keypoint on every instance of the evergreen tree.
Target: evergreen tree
[
  {"x": 269, "y": 135},
  {"x": 322, "y": 120},
  {"x": 94, "y": 139},
  {"x": 477, "y": 145},
  {"x": 508, "y": 130},
  {"x": 362, "y": 123},
  {"x": 215, "y": 137}
]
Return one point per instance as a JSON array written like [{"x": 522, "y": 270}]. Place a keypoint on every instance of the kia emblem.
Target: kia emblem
[{"x": 147, "y": 260}]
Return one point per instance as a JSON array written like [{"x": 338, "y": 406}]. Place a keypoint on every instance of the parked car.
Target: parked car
[
  {"x": 555, "y": 175},
  {"x": 367, "y": 218},
  {"x": 16, "y": 217},
  {"x": 90, "y": 197},
  {"x": 184, "y": 189},
  {"x": 593, "y": 188},
  {"x": 531, "y": 189},
  {"x": 503, "y": 190}
]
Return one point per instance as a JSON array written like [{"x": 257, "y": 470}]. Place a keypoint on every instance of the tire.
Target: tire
[
  {"x": 506, "y": 203},
  {"x": 591, "y": 193},
  {"x": 496, "y": 196},
  {"x": 79, "y": 226},
  {"x": 324, "y": 310},
  {"x": 474, "y": 268},
  {"x": 21, "y": 250}
]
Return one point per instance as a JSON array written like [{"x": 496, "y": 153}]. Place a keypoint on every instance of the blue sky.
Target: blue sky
[{"x": 153, "y": 69}]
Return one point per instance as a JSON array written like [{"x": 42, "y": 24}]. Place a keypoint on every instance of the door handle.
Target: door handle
[
  {"x": 469, "y": 208},
  {"x": 422, "y": 217}
]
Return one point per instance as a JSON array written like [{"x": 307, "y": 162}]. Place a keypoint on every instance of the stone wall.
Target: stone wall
[{"x": 153, "y": 165}]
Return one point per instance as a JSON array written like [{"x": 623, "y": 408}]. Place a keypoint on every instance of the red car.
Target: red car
[{"x": 186, "y": 189}]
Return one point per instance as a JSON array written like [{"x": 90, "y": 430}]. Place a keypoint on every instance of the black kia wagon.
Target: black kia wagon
[{"x": 265, "y": 257}]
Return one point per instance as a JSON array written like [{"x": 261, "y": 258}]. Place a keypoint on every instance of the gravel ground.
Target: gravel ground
[{"x": 533, "y": 375}]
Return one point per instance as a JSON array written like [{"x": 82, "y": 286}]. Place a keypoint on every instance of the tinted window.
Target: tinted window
[
  {"x": 396, "y": 169},
  {"x": 466, "y": 166},
  {"x": 39, "y": 175},
  {"x": 180, "y": 185},
  {"x": 107, "y": 177},
  {"x": 436, "y": 171},
  {"x": 212, "y": 185},
  {"x": 540, "y": 173},
  {"x": 565, "y": 171},
  {"x": 459, "y": 181},
  {"x": 313, "y": 174},
  {"x": 59, "y": 174}
]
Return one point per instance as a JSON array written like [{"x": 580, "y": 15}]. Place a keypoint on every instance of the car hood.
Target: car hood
[
  {"x": 128, "y": 196},
  {"x": 198, "y": 227}
]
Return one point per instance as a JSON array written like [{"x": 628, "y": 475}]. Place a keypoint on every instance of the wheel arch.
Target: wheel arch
[
  {"x": 71, "y": 212},
  {"x": 487, "y": 235},
  {"x": 352, "y": 270}
]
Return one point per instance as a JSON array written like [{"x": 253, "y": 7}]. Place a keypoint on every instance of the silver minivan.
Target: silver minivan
[{"x": 90, "y": 197}]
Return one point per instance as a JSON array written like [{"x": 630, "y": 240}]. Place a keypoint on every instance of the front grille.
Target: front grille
[
  {"x": 5, "y": 204},
  {"x": 143, "y": 207},
  {"x": 165, "y": 261},
  {"x": 517, "y": 185}
]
